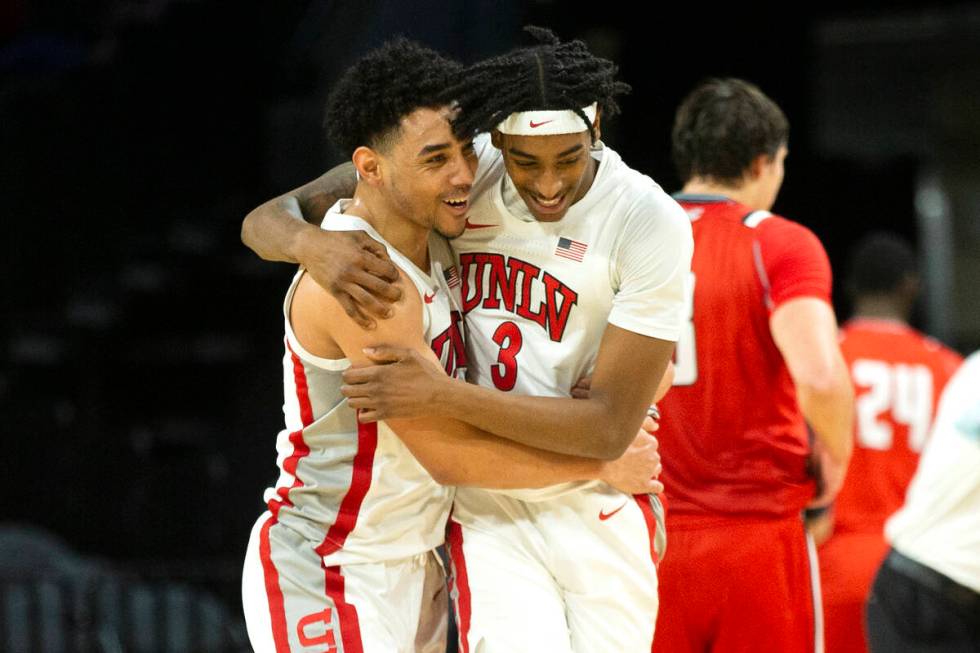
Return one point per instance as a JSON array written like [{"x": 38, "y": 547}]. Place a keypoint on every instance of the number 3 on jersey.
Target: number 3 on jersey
[
  {"x": 504, "y": 373},
  {"x": 685, "y": 353}
]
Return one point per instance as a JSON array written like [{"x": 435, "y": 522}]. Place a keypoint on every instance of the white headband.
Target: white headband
[{"x": 546, "y": 123}]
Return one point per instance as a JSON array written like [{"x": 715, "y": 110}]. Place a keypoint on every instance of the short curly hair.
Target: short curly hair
[
  {"x": 879, "y": 263},
  {"x": 368, "y": 102},
  {"x": 550, "y": 74},
  {"x": 722, "y": 126}
]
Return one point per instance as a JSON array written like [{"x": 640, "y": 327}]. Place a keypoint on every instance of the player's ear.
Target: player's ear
[
  {"x": 595, "y": 125},
  {"x": 497, "y": 139},
  {"x": 368, "y": 164},
  {"x": 758, "y": 166}
]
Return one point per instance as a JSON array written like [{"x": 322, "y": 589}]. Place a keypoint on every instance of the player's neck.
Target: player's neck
[
  {"x": 409, "y": 238},
  {"x": 880, "y": 308},
  {"x": 743, "y": 194},
  {"x": 588, "y": 181}
]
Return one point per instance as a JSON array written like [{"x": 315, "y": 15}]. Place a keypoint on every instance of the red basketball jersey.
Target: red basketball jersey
[
  {"x": 898, "y": 375},
  {"x": 732, "y": 436}
]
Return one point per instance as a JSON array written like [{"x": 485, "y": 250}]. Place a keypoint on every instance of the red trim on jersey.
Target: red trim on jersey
[
  {"x": 300, "y": 449},
  {"x": 277, "y": 607},
  {"x": 643, "y": 500},
  {"x": 350, "y": 625},
  {"x": 302, "y": 390},
  {"x": 454, "y": 540},
  {"x": 360, "y": 483}
]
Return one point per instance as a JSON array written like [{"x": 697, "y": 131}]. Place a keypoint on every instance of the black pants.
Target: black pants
[{"x": 915, "y": 609}]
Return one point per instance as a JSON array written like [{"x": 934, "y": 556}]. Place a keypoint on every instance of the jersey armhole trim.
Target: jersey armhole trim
[{"x": 329, "y": 364}]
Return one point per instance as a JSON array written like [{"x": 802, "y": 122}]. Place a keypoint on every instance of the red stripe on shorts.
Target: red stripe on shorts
[
  {"x": 277, "y": 607},
  {"x": 350, "y": 625},
  {"x": 454, "y": 538},
  {"x": 300, "y": 448},
  {"x": 643, "y": 500},
  {"x": 350, "y": 506}
]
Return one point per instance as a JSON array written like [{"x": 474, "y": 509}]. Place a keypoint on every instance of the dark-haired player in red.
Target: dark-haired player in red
[
  {"x": 898, "y": 376},
  {"x": 759, "y": 360}
]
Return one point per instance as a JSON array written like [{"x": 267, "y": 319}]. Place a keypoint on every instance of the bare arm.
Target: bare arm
[
  {"x": 351, "y": 265},
  {"x": 581, "y": 388},
  {"x": 275, "y": 230},
  {"x": 456, "y": 453},
  {"x": 628, "y": 371},
  {"x": 666, "y": 382},
  {"x": 805, "y": 331}
]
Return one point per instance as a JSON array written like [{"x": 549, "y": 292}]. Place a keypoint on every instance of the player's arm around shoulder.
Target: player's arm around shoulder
[
  {"x": 276, "y": 228},
  {"x": 354, "y": 267}
]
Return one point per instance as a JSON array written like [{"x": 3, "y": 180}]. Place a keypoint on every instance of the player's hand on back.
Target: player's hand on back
[
  {"x": 355, "y": 269},
  {"x": 637, "y": 470},
  {"x": 402, "y": 384}
]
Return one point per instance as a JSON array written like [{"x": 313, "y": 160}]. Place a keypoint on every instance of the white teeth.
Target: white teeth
[
  {"x": 456, "y": 202},
  {"x": 549, "y": 203}
]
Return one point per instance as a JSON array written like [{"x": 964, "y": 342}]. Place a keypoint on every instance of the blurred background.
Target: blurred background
[{"x": 140, "y": 345}]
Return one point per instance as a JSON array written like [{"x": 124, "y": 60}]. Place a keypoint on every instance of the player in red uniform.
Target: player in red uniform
[
  {"x": 759, "y": 361},
  {"x": 898, "y": 376}
]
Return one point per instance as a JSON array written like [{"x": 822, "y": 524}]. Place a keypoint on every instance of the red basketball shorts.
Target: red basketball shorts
[
  {"x": 848, "y": 563},
  {"x": 732, "y": 585}
]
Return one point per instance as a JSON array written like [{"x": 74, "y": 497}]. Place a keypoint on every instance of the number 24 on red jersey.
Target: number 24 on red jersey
[{"x": 898, "y": 394}]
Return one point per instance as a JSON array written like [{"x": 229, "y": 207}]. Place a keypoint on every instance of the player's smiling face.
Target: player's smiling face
[
  {"x": 550, "y": 172},
  {"x": 430, "y": 172}
]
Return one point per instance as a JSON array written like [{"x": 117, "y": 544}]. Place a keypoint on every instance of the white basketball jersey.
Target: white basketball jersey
[
  {"x": 939, "y": 525},
  {"x": 537, "y": 296},
  {"x": 355, "y": 487}
]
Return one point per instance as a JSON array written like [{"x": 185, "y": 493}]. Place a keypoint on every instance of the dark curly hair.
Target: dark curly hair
[
  {"x": 367, "y": 104},
  {"x": 722, "y": 126},
  {"x": 879, "y": 263},
  {"x": 547, "y": 75}
]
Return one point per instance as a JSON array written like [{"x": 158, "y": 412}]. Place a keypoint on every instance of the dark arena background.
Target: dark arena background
[{"x": 141, "y": 342}]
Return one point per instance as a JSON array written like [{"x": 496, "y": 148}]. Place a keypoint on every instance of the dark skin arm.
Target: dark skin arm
[
  {"x": 350, "y": 265},
  {"x": 629, "y": 369}
]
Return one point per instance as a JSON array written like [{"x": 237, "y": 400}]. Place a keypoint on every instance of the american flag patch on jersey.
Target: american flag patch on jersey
[
  {"x": 568, "y": 248},
  {"x": 452, "y": 277}
]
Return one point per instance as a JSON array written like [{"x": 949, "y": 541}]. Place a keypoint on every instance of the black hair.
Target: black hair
[
  {"x": 879, "y": 263},
  {"x": 722, "y": 126},
  {"x": 548, "y": 75},
  {"x": 368, "y": 102}
]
